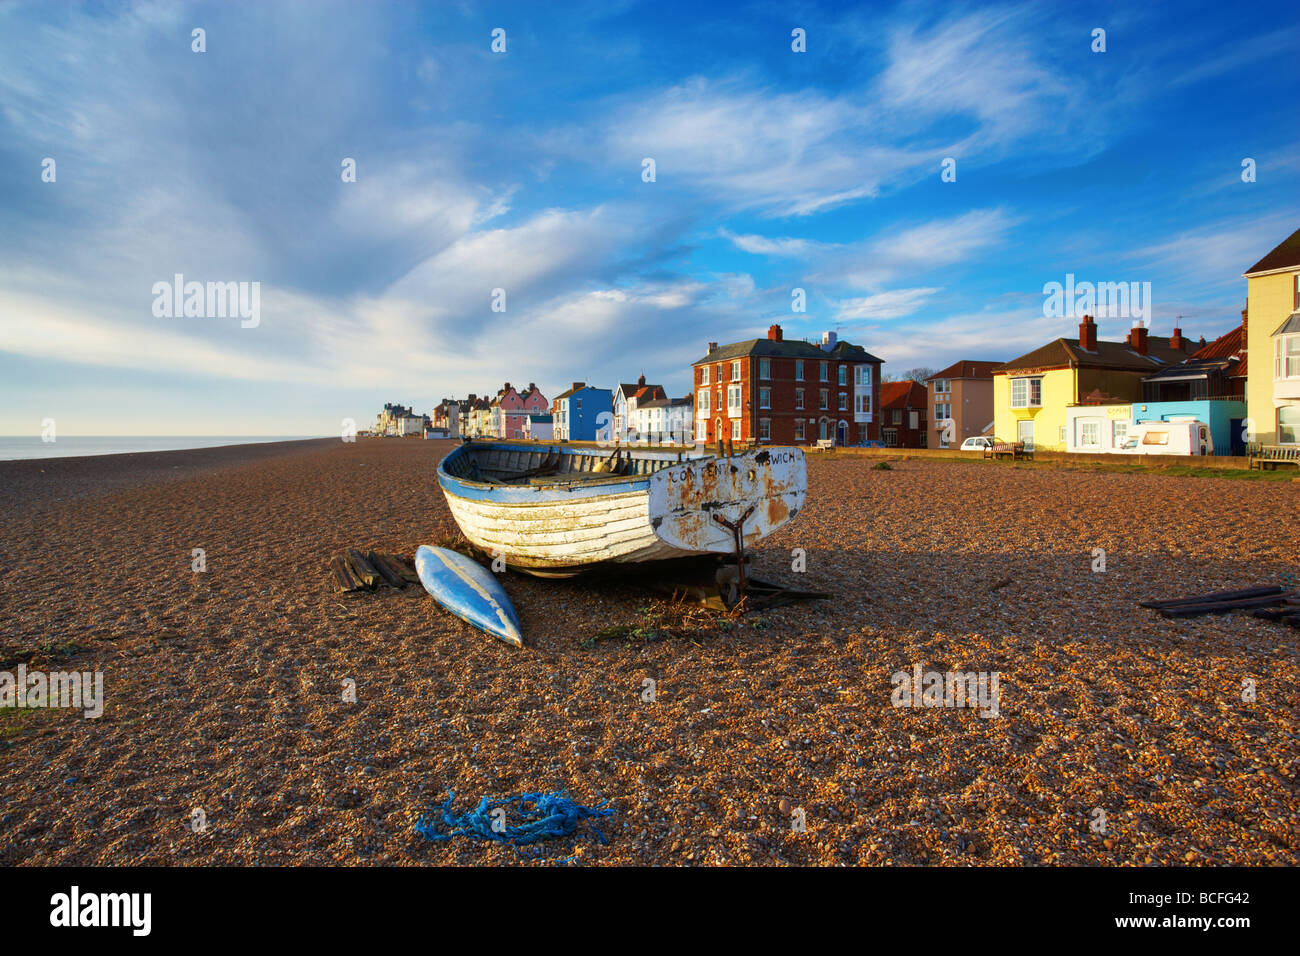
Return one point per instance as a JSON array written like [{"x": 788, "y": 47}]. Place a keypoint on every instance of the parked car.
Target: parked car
[
  {"x": 871, "y": 443},
  {"x": 977, "y": 443}
]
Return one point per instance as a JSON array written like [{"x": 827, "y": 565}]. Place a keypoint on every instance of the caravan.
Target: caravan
[{"x": 1178, "y": 436}]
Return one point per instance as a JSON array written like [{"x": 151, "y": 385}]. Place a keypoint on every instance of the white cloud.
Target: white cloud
[{"x": 893, "y": 304}]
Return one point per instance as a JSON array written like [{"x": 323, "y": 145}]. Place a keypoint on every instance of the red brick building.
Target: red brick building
[
  {"x": 903, "y": 414},
  {"x": 787, "y": 392}
]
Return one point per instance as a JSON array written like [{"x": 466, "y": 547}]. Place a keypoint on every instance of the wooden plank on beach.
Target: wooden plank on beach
[
  {"x": 403, "y": 568},
  {"x": 1222, "y": 607},
  {"x": 344, "y": 577},
  {"x": 391, "y": 570},
  {"x": 1215, "y": 597},
  {"x": 364, "y": 569}
]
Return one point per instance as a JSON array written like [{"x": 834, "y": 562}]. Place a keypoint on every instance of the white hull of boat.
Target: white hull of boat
[{"x": 609, "y": 528}]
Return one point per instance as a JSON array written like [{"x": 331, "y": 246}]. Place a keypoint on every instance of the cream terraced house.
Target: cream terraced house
[{"x": 1272, "y": 321}]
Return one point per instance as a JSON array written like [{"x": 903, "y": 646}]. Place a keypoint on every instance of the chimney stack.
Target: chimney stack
[
  {"x": 1137, "y": 338},
  {"x": 774, "y": 333},
  {"x": 1088, "y": 334},
  {"x": 1176, "y": 341},
  {"x": 828, "y": 341},
  {"x": 1244, "y": 328},
  {"x": 578, "y": 385},
  {"x": 713, "y": 347},
  {"x": 640, "y": 380}
]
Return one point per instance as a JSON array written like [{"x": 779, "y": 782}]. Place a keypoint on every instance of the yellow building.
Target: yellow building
[
  {"x": 1273, "y": 345},
  {"x": 1031, "y": 393}
]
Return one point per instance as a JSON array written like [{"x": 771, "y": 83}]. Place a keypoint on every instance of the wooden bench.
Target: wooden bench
[
  {"x": 1270, "y": 456},
  {"x": 1016, "y": 451},
  {"x": 826, "y": 444}
]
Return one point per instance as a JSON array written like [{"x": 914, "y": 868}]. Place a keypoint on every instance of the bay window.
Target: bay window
[{"x": 1026, "y": 393}]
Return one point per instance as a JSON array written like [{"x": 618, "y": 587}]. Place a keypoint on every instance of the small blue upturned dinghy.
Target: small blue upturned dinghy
[{"x": 468, "y": 590}]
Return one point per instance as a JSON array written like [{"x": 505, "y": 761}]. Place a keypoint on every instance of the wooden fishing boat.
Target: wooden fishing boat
[{"x": 556, "y": 509}]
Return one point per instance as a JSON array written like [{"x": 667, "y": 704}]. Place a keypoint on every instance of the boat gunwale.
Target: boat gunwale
[{"x": 633, "y": 483}]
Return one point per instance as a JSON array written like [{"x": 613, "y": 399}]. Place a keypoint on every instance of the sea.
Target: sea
[{"x": 19, "y": 447}]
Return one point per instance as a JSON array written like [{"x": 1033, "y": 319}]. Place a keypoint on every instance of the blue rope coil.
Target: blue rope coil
[{"x": 528, "y": 818}]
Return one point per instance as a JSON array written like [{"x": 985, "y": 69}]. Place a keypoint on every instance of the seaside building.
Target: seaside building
[
  {"x": 903, "y": 421},
  {"x": 1031, "y": 393},
  {"x": 626, "y": 399},
  {"x": 539, "y": 427},
  {"x": 446, "y": 417},
  {"x": 1272, "y": 337},
  {"x": 510, "y": 409},
  {"x": 787, "y": 392},
  {"x": 961, "y": 403},
  {"x": 583, "y": 411},
  {"x": 666, "y": 419},
  {"x": 398, "y": 420}
]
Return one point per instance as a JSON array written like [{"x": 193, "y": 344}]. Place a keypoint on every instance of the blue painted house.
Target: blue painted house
[{"x": 578, "y": 413}]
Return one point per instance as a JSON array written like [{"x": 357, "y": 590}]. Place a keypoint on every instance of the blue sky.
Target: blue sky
[{"x": 523, "y": 171}]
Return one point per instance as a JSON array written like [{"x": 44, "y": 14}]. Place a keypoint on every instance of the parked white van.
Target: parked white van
[{"x": 1178, "y": 436}]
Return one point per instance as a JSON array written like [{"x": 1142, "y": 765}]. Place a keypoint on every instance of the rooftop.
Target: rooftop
[
  {"x": 967, "y": 368},
  {"x": 1285, "y": 255},
  {"x": 1062, "y": 353}
]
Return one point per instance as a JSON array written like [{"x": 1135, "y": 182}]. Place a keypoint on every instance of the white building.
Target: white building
[
  {"x": 667, "y": 419},
  {"x": 539, "y": 427},
  {"x": 1098, "y": 429}
]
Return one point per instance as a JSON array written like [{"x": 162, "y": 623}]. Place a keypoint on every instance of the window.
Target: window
[
  {"x": 765, "y": 429},
  {"x": 704, "y": 375},
  {"x": 1286, "y": 356},
  {"x": 764, "y": 398},
  {"x": 1155, "y": 438},
  {"x": 798, "y": 370},
  {"x": 718, "y": 398},
  {"x": 862, "y": 376},
  {"x": 798, "y": 399},
  {"x": 1060, "y": 435},
  {"x": 798, "y": 429},
  {"x": 898, "y": 416},
  {"x": 733, "y": 399},
  {"x": 824, "y": 399},
  {"x": 1026, "y": 393},
  {"x": 764, "y": 368},
  {"x": 702, "y": 430},
  {"x": 942, "y": 386},
  {"x": 863, "y": 403},
  {"x": 1089, "y": 434},
  {"x": 1118, "y": 433},
  {"x": 1288, "y": 425},
  {"x": 735, "y": 371},
  {"x": 718, "y": 377},
  {"x": 890, "y": 435},
  {"x": 735, "y": 430},
  {"x": 825, "y": 371},
  {"x": 844, "y": 375},
  {"x": 943, "y": 411},
  {"x": 844, "y": 402}
]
